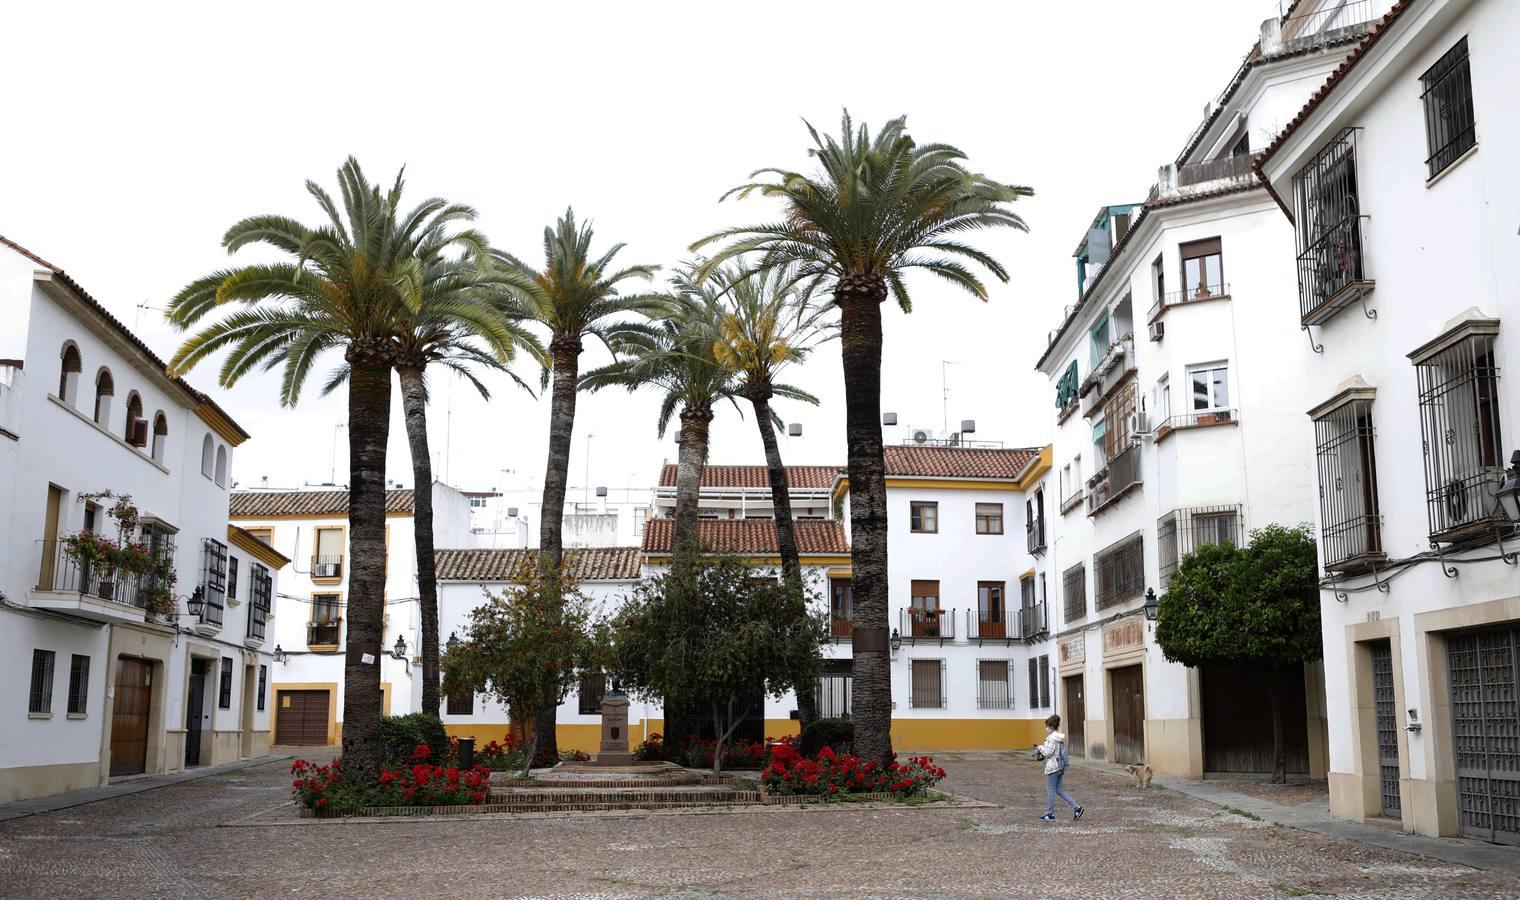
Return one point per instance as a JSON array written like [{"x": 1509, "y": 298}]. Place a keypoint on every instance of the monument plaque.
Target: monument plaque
[{"x": 614, "y": 749}]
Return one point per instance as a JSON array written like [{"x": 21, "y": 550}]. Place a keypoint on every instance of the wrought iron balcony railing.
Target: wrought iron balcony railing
[{"x": 1114, "y": 480}]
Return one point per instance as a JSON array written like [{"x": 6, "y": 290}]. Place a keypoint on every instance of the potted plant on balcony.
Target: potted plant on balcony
[
  {"x": 93, "y": 554},
  {"x": 1202, "y": 292}
]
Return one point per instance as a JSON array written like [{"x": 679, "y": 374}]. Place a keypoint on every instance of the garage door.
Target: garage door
[
  {"x": 1485, "y": 705},
  {"x": 301, "y": 717}
]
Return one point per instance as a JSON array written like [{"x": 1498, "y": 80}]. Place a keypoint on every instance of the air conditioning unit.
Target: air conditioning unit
[
  {"x": 1157, "y": 330},
  {"x": 327, "y": 570},
  {"x": 921, "y": 435}
]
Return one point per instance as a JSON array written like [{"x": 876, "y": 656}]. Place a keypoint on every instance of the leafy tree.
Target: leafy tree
[
  {"x": 716, "y": 632},
  {"x": 1255, "y": 606},
  {"x": 525, "y": 654},
  {"x": 575, "y": 296},
  {"x": 350, "y": 284},
  {"x": 876, "y": 208}
]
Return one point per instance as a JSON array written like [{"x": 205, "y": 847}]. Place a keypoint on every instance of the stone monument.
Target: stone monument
[{"x": 614, "y": 749}]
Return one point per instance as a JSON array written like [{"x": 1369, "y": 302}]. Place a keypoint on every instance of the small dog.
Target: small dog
[{"x": 1142, "y": 774}]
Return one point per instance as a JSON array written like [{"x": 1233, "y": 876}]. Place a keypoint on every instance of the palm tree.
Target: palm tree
[
  {"x": 877, "y": 207},
  {"x": 575, "y": 296},
  {"x": 351, "y": 284}
]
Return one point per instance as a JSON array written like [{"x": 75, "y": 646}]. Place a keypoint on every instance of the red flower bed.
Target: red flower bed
[
  {"x": 323, "y": 787},
  {"x": 831, "y": 774},
  {"x": 738, "y": 755}
]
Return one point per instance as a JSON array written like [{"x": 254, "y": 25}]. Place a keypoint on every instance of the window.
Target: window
[
  {"x": 260, "y": 594},
  {"x": 991, "y": 611},
  {"x": 593, "y": 688},
  {"x": 1210, "y": 385},
  {"x": 1329, "y": 234},
  {"x": 841, "y": 608},
  {"x": 208, "y": 457},
  {"x": 1119, "y": 421},
  {"x": 462, "y": 704},
  {"x": 1181, "y": 531},
  {"x": 928, "y": 684},
  {"x": 1350, "y": 528},
  {"x": 994, "y": 684},
  {"x": 326, "y": 620},
  {"x": 42, "y": 683},
  {"x": 1158, "y": 278},
  {"x": 1202, "y": 269},
  {"x": 1066, "y": 387},
  {"x": 232, "y": 578},
  {"x": 105, "y": 388},
  {"x": 834, "y": 688},
  {"x": 136, "y": 431},
  {"x": 327, "y": 562},
  {"x": 213, "y": 580},
  {"x": 1449, "y": 120},
  {"x": 989, "y": 518},
  {"x": 1098, "y": 341},
  {"x": 1039, "y": 682},
  {"x": 221, "y": 465},
  {"x": 224, "y": 692},
  {"x": 69, "y": 368},
  {"x": 923, "y": 516},
  {"x": 263, "y": 686},
  {"x": 925, "y": 609},
  {"x": 1034, "y": 521},
  {"x": 160, "y": 437},
  {"x": 1242, "y": 147},
  {"x": 477, "y": 502},
  {"x": 1119, "y": 572},
  {"x": 1074, "y": 590},
  {"x": 266, "y": 535},
  {"x": 1459, "y": 418},
  {"x": 1163, "y": 398},
  {"x": 79, "y": 685}
]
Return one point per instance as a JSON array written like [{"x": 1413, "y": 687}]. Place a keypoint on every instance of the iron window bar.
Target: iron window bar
[
  {"x": 1450, "y": 125},
  {"x": 1119, "y": 572},
  {"x": 1182, "y": 531},
  {"x": 1459, "y": 423},
  {"x": 994, "y": 684},
  {"x": 1332, "y": 271},
  {"x": 1350, "y": 520},
  {"x": 1074, "y": 593}
]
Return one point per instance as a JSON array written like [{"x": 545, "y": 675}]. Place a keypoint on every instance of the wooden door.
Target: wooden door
[
  {"x": 1237, "y": 721},
  {"x": 129, "y": 716},
  {"x": 50, "y": 523},
  {"x": 1075, "y": 719},
  {"x": 1127, "y": 691},
  {"x": 301, "y": 717}
]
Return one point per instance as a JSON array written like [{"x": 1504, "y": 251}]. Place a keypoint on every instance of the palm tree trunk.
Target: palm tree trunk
[
  {"x": 686, "y": 544},
  {"x": 414, "y": 406},
  {"x": 786, "y": 532},
  {"x": 369, "y": 420},
  {"x": 565, "y": 353},
  {"x": 860, "y": 298}
]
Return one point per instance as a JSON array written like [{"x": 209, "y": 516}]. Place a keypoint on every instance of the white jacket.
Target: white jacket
[{"x": 1050, "y": 751}]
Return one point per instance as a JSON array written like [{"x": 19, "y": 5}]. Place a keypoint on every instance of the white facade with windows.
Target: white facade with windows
[
  {"x": 1401, "y": 176},
  {"x": 100, "y": 685}
]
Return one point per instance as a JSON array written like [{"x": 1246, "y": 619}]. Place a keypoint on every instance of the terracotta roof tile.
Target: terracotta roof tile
[
  {"x": 805, "y": 478},
  {"x": 589, "y": 564},
  {"x": 312, "y": 504},
  {"x": 958, "y": 462},
  {"x": 750, "y": 536},
  {"x": 125, "y": 332}
]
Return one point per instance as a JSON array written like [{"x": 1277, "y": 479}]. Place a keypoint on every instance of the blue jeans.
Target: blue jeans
[{"x": 1053, "y": 790}]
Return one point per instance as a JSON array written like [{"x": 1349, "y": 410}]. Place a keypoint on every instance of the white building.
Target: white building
[
  {"x": 99, "y": 686},
  {"x": 310, "y": 528},
  {"x": 1173, "y": 406},
  {"x": 1401, "y": 176},
  {"x": 744, "y": 492},
  {"x": 510, "y": 517}
]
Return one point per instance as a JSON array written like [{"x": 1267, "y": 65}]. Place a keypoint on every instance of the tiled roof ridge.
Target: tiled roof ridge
[
  {"x": 750, "y": 536},
  {"x": 325, "y": 502},
  {"x": 755, "y": 475},
  {"x": 503, "y": 563}
]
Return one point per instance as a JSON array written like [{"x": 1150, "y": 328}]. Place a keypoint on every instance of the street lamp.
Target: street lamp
[
  {"x": 1152, "y": 605},
  {"x": 195, "y": 604},
  {"x": 1509, "y": 492},
  {"x": 400, "y": 651},
  {"x": 896, "y": 641},
  {"x": 280, "y": 656},
  {"x": 453, "y": 642}
]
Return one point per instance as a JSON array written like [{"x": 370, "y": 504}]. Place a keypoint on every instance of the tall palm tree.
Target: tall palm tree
[
  {"x": 465, "y": 317},
  {"x": 350, "y": 284},
  {"x": 876, "y": 208},
  {"x": 574, "y": 296}
]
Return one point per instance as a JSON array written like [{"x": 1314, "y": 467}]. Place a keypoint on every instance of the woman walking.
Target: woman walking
[{"x": 1053, "y": 751}]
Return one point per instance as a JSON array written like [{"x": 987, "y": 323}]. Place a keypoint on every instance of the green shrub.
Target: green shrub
[
  {"x": 400, "y": 735},
  {"x": 836, "y": 734}
]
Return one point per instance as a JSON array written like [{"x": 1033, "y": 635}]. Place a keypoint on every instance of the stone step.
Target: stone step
[
  {"x": 630, "y": 799},
  {"x": 577, "y": 805}
]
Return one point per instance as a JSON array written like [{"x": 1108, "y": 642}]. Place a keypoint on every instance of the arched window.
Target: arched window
[
  {"x": 68, "y": 374},
  {"x": 136, "y": 432},
  {"x": 105, "y": 388},
  {"x": 160, "y": 436},
  {"x": 221, "y": 466},
  {"x": 206, "y": 456}
]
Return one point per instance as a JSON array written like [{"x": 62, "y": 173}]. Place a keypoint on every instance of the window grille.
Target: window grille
[
  {"x": 994, "y": 687},
  {"x": 1449, "y": 121},
  {"x": 1350, "y": 526},
  {"x": 1459, "y": 421},
  {"x": 593, "y": 688},
  {"x": 1119, "y": 572},
  {"x": 834, "y": 689},
  {"x": 213, "y": 580},
  {"x": 260, "y": 591},
  {"x": 326, "y": 620},
  {"x": 1181, "y": 531},
  {"x": 263, "y": 686},
  {"x": 79, "y": 685},
  {"x": 1039, "y": 682},
  {"x": 1074, "y": 591},
  {"x": 41, "y": 697},
  {"x": 462, "y": 704},
  {"x": 928, "y": 684},
  {"x": 1331, "y": 270},
  {"x": 224, "y": 694},
  {"x": 232, "y": 577}
]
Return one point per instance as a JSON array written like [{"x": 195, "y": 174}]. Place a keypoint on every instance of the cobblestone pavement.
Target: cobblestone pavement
[{"x": 167, "y": 843}]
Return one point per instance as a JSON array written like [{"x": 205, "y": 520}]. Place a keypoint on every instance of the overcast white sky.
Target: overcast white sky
[{"x": 138, "y": 132}]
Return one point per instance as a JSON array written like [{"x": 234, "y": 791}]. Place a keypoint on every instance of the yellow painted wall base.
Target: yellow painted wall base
[{"x": 967, "y": 734}]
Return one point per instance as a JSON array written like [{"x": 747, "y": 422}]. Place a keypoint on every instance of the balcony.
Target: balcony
[
  {"x": 841, "y": 628},
  {"x": 1331, "y": 272},
  {"x": 926, "y": 625},
  {"x": 323, "y": 634},
  {"x": 991, "y": 625},
  {"x": 1116, "y": 367},
  {"x": 66, "y": 585},
  {"x": 1200, "y": 419},
  {"x": 1119, "y": 477},
  {"x": 1034, "y": 535},
  {"x": 1194, "y": 294},
  {"x": 327, "y": 567},
  {"x": 1310, "y": 25},
  {"x": 1034, "y": 623},
  {"x": 1072, "y": 502},
  {"x": 1176, "y": 183}
]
